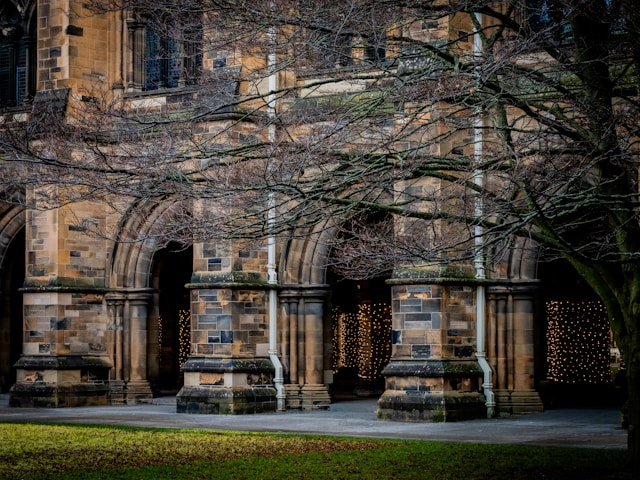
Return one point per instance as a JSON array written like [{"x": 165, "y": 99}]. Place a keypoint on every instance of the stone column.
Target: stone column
[
  {"x": 304, "y": 321},
  {"x": 115, "y": 310},
  {"x": 138, "y": 387},
  {"x": 65, "y": 358},
  {"x": 229, "y": 369},
  {"x": 433, "y": 374},
  {"x": 314, "y": 393},
  {"x": 512, "y": 345},
  {"x": 137, "y": 60}
]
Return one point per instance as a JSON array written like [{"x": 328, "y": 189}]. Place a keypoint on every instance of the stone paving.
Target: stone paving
[{"x": 596, "y": 428}]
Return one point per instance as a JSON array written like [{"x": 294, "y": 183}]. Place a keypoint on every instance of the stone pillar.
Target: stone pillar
[
  {"x": 304, "y": 318},
  {"x": 512, "y": 345},
  {"x": 433, "y": 374},
  {"x": 127, "y": 311},
  {"x": 65, "y": 359},
  {"x": 229, "y": 369}
]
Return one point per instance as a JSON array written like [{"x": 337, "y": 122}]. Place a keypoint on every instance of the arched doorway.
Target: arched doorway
[
  {"x": 360, "y": 335},
  {"x": 581, "y": 367},
  {"x": 171, "y": 271},
  {"x": 11, "y": 324}
]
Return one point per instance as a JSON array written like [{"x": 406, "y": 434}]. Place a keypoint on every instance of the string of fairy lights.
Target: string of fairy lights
[
  {"x": 184, "y": 335},
  {"x": 578, "y": 342},
  {"x": 362, "y": 340}
]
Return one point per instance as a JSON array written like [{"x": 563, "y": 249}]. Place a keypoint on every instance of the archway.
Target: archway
[
  {"x": 140, "y": 269},
  {"x": 581, "y": 367},
  {"x": 172, "y": 268},
  {"x": 360, "y": 335},
  {"x": 12, "y": 275}
]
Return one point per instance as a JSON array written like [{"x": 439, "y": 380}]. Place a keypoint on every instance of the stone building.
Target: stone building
[{"x": 87, "y": 321}]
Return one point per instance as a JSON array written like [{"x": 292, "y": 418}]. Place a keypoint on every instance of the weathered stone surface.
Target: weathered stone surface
[{"x": 226, "y": 400}]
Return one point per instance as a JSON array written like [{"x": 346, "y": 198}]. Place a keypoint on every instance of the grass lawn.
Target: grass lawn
[{"x": 36, "y": 451}]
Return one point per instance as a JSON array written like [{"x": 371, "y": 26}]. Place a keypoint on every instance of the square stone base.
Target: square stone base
[
  {"x": 417, "y": 406},
  {"x": 48, "y": 395},
  {"x": 226, "y": 400}
]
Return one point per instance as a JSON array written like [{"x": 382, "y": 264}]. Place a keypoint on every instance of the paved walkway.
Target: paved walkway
[{"x": 598, "y": 428}]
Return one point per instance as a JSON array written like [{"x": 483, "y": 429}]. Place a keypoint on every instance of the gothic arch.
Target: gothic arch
[
  {"x": 305, "y": 258},
  {"x": 132, "y": 260},
  {"x": 132, "y": 301},
  {"x": 12, "y": 222}
]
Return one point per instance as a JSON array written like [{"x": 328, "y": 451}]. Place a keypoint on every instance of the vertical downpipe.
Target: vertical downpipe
[
  {"x": 272, "y": 274},
  {"x": 479, "y": 260}
]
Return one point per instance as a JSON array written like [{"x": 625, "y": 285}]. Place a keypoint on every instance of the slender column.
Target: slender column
[
  {"x": 511, "y": 346},
  {"x": 300, "y": 339},
  {"x": 128, "y": 321},
  {"x": 313, "y": 338},
  {"x": 115, "y": 307},
  {"x": 138, "y": 333},
  {"x": 290, "y": 300},
  {"x": 137, "y": 64},
  {"x": 30, "y": 70}
]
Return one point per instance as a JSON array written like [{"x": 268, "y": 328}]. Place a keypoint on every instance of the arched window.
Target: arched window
[{"x": 17, "y": 55}]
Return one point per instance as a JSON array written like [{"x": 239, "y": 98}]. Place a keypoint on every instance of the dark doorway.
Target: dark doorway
[
  {"x": 172, "y": 270},
  {"x": 581, "y": 367},
  {"x": 11, "y": 322},
  {"x": 361, "y": 336}
]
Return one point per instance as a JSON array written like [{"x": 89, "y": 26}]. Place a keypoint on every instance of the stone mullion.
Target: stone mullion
[{"x": 137, "y": 48}]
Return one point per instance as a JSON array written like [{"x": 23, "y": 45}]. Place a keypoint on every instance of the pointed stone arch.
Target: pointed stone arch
[
  {"x": 514, "y": 329},
  {"x": 132, "y": 301},
  {"x": 302, "y": 298},
  {"x": 12, "y": 223}
]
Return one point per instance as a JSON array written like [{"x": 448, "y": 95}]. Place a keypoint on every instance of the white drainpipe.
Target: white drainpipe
[
  {"x": 272, "y": 274},
  {"x": 481, "y": 353}
]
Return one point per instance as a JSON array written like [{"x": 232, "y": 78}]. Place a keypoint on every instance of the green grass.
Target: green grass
[{"x": 34, "y": 451}]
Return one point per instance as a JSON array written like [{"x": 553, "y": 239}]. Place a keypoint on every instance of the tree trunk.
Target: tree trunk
[{"x": 632, "y": 361}]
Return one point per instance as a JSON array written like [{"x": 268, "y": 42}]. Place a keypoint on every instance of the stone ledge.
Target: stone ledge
[
  {"x": 228, "y": 365},
  {"x": 432, "y": 368}
]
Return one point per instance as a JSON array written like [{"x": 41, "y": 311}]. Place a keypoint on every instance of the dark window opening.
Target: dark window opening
[
  {"x": 17, "y": 60},
  {"x": 172, "y": 62}
]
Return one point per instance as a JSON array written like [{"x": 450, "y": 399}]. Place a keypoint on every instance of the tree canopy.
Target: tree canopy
[{"x": 422, "y": 132}]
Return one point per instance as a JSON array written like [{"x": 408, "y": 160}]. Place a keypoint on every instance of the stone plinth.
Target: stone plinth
[
  {"x": 227, "y": 386},
  {"x": 52, "y": 382},
  {"x": 432, "y": 391}
]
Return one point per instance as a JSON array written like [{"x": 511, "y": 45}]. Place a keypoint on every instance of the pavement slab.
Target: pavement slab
[{"x": 590, "y": 428}]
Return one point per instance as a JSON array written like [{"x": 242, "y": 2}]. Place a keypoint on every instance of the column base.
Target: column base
[
  {"x": 57, "y": 382},
  {"x": 220, "y": 400},
  {"x": 118, "y": 392},
  {"x": 432, "y": 391},
  {"x": 418, "y": 406},
  {"x": 47, "y": 395},
  {"x": 138, "y": 391},
  {"x": 227, "y": 386},
  {"x": 518, "y": 402},
  {"x": 307, "y": 397}
]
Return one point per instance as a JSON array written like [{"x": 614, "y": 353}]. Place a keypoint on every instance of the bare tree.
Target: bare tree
[{"x": 423, "y": 132}]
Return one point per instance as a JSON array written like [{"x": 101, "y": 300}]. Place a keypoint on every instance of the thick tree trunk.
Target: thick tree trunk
[{"x": 633, "y": 405}]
